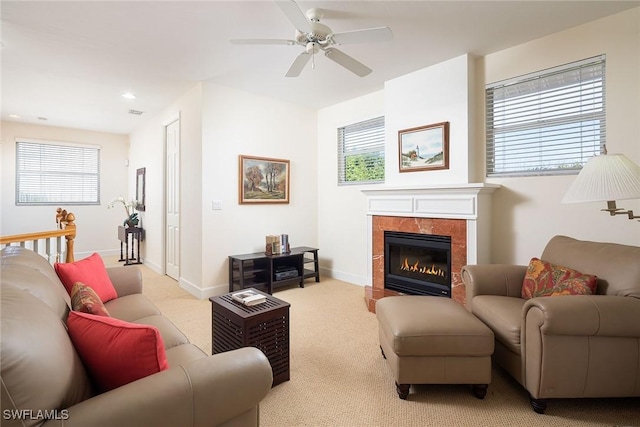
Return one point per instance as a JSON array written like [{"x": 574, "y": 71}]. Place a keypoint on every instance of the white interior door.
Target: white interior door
[{"x": 172, "y": 197}]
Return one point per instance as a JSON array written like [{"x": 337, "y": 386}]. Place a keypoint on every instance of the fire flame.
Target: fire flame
[{"x": 433, "y": 270}]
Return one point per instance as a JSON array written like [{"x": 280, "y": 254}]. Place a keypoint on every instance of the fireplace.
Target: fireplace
[
  {"x": 417, "y": 264},
  {"x": 461, "y": 211}
]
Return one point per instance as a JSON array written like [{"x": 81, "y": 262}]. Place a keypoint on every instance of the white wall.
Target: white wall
[
  {"x": 436, "y": 94},
  {"x": 216, "y": 125},
  {"x": 148, "y": 151},
  {"x": 234, "y": 123},
  {"x": 96, "y": 225},
  {"x": 219, "y": 123},
  {"x": 527, "y": 211},
  {"x": 342, "y": 227}
]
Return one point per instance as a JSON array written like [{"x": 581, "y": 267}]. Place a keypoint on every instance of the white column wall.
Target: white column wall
[{"x": 435, "y": 94}]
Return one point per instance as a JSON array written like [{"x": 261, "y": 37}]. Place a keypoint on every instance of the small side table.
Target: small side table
[
  {"x": 136, "y": 236},
  {"x": 264, "y": 326}
]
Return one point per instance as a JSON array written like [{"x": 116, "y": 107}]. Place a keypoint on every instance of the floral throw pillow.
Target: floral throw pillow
[
  {"x": 544, "y": 279},
  {"x": 85, "y": 299}
]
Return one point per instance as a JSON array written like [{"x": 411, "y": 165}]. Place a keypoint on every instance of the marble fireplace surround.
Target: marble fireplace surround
[{"x": 462, "y": 211}]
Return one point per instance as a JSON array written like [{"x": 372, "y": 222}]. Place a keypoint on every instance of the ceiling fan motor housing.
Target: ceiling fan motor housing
[
  {"x": 315, "y": 14},
  {"x": 318, "y": 35}
]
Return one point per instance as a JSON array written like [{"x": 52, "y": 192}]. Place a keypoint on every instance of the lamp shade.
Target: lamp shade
[{"x": 603, "y": 178}]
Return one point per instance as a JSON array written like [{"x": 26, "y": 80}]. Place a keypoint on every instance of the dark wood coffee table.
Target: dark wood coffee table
[{"x": 264, "y": 326}]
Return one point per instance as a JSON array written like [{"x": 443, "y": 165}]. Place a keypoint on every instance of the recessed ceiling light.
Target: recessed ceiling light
[
  {"x": 128, "y": 95},
  {"x": 15, "y": 116}
]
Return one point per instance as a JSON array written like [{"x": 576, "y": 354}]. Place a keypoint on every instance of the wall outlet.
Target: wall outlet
[{"x": 216, "y": 205}]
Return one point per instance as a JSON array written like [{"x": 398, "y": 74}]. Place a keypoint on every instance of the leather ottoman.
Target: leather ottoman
[{"x": 434, "y": 340}]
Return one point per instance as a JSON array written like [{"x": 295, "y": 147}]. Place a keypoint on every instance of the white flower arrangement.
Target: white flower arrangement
[{"x": 129, "y": 207}]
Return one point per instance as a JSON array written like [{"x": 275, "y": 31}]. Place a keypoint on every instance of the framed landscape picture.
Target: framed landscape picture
[
  {"x": 263, "y": 180},
  {"x": 424, "y": 148}
]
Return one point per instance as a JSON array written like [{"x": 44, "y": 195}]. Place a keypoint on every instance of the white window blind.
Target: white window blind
[
  {"x": 546, "y": 123},
  {"x": 57, "y": 173},
  {"x": 361, "y": 152}
]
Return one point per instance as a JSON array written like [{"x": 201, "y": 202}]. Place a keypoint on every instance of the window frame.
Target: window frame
[
  {"x": 370, "y": 145},
  {"x": 43, "y": 168},
  {"x": 558, "y": 109}
]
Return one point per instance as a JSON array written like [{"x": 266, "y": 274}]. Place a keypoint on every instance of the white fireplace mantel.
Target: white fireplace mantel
[
  {"x": 460, "y": 201},
  {"x": 471, "y": 202}
]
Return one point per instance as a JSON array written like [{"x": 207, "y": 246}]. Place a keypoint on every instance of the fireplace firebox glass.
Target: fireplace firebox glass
[{"x": 417, "y": 264}]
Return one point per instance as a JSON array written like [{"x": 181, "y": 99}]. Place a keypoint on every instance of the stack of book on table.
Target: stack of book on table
[
  {"x": 248, "y": 297},
  {"x": 277, "y": 244}
]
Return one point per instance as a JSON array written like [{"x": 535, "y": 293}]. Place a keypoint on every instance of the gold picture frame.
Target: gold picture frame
[
  {"x": 424, "y": 148},
  {"x": 263, "y": 180}
]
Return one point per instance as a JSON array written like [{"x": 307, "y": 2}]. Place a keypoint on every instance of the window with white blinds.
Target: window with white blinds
[
  {"x": 547, "y": 123},
  {"x": 57, "y": 173},
  {"x": 361, "y": 152}
]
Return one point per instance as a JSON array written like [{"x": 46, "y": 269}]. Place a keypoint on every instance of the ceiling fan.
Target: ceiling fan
[{"x": 315, "y": 37}]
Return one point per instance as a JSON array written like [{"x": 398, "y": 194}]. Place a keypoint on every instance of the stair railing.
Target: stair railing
[{"x": 50, "y": 244}]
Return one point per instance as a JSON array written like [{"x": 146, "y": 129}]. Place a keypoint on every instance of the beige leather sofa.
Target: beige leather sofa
[
  {"x": 43, "y": 377},
  {"x": 565, "y": 346}
]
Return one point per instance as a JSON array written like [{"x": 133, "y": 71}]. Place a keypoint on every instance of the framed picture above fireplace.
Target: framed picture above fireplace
[{"x": 424, "y": 148}]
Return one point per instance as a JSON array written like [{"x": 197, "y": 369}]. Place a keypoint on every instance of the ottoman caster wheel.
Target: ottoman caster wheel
[
  {"x": 382, "y": 351},
  {"x": 480, "y": 390},
  {"x": 403, "y": 390}
]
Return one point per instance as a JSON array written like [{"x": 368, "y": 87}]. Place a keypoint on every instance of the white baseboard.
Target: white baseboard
[
  {"x": 201, "y": 293},
  {"x": 345, "y": 277},
  {"x": 102, "y": 253},
  {"x": 212, "y": 291},
  {"x": 152, "y": 266}
]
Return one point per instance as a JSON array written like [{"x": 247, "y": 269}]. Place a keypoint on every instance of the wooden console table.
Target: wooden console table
[
  {"x": 258, "y": 270},
  {"x": 136, "y": 236}
]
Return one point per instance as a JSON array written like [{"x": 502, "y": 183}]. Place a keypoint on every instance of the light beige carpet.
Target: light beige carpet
[{"x": 339, "y": 378}]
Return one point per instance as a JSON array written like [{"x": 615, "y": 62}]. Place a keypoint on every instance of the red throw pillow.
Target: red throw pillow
[
  {"x": 545, "y": 279},
  {"x": 116, "y": 352},
  {"x": 90, "y": 271},
  {"x": 84, "y": 299}
]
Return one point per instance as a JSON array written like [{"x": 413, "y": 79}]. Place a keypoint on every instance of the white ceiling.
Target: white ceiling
[{"x": 70, "y": 61}]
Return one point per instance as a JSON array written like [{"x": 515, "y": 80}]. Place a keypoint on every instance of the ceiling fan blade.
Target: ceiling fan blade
[
  {"x": 296, "y": 16},
  {"x": 298, "y": 64},
  {"x": 347, "y": 62},
  {"x": 263, "y": 41},
  {"x": 379, "y": 34}
]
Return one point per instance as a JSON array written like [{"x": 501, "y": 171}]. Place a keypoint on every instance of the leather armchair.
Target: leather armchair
[{"x": 565, "y": 346}]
